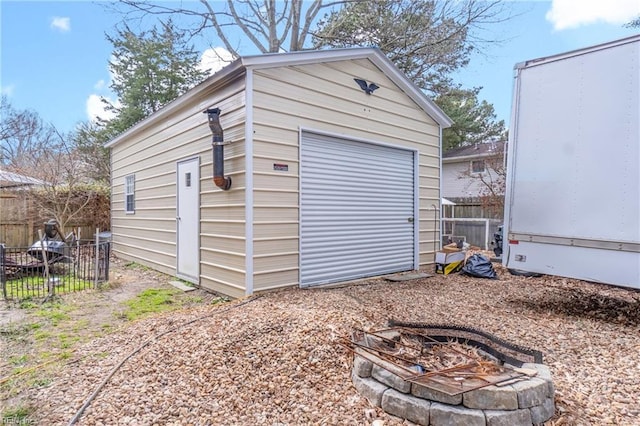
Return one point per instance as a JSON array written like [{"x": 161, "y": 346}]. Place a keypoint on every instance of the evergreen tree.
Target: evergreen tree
[
  {"x": 474, "y": 121},
  {"x": 150, "y": 69}
]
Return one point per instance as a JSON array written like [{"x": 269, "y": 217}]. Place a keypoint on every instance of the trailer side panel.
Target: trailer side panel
[{"x": 573, "y": 190}]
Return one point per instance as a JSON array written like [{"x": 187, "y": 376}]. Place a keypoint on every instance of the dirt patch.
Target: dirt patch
[{"x": 37, "y": 339}]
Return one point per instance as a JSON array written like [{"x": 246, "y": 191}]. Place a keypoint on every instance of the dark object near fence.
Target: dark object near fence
[
  {"x": 479, "y": 266},
  {"x": 497, "y": 242},
  {"x": 53, "y": 251}
]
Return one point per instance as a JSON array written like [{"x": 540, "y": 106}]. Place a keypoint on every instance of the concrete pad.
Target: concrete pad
[
  {"x": 407, "y": 277},
  {"x": 181, "y": 286}
]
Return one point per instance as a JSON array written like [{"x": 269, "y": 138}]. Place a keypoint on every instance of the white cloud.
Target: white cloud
[
  {"x": 61, "y": 24},
  {"x": 96, "y": 108},
  {"x": 213, "y": 60},
  {"x": 7, "y": 90},
  {"x": 566, "y": 14},
  {"x": 100, "y": 85}
]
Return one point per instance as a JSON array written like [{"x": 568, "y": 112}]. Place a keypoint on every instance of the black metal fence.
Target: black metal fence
[{"x": 44, "y": 270}]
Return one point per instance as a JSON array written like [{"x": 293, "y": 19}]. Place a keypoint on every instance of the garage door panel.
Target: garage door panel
[{"x": 357, "y": 202}]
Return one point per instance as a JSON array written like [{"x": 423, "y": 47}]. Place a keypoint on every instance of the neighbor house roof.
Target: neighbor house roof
[
  {"x": 485, "y": 149},
  {"x": 14, "y": 180},
  {"x": 272, "y": 60}
]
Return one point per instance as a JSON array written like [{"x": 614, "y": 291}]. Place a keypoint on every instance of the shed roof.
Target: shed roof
[
  {"x": 272, "y": 60},
  {"x": 15, "y": 180}
]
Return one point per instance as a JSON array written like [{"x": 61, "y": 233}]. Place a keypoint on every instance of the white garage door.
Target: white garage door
[{"x": 357, "y": 210}]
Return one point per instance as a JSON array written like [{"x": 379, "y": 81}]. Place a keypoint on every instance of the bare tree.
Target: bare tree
[
  {"x": 21, "y": 133},
  {"x": 36, "y": 149},
  {"x": 491, "y": 181},
  {"x": 427, "y": 39},
  {"x": 270, "y": 25}
]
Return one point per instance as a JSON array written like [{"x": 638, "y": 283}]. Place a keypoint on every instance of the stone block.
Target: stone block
[
  {"x": 544, "y": 373},
  {"x": 369, "y": 388},
  {"x": 390, "y": 379},
  {"x": 435, "y": 395},
  {"x": 543, "y": 412},
  {"x": 447, "y": 415},
  {"x": 362, "y": 366},
  {"x": 491, "y": 398},
  {"x": 408, "y": 407},
  {"x": 508, "y": 418},
  {"x": 531, "y": 392}
]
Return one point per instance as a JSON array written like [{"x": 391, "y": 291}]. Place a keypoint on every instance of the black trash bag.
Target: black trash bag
[{"x": 479, "y": 266}]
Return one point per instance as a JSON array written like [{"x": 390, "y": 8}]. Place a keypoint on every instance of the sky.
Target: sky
[{"x": 54, "y": 54}]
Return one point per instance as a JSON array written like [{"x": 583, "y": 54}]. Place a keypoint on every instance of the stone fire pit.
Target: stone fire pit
[{"x": 437, "y": 375}]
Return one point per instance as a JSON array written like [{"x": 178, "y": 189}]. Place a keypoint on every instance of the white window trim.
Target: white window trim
[{"x": 130, "y": 190}]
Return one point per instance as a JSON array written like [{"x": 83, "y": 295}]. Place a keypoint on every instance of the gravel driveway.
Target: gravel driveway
[{"x": 274, "y": 360}]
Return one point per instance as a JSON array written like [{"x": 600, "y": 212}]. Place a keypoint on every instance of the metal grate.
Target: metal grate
[{"x": 452, "y": 360}]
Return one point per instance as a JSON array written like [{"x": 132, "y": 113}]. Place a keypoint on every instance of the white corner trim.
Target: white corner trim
[
  {"x": 248, "y": 194},
  {"x": 438, "y": 245}
]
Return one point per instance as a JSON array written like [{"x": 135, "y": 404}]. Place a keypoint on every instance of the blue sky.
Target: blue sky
[{"x": 54, "y": 55}]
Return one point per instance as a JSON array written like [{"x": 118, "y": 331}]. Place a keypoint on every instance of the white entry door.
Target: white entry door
[{"x": 188, "y": 220}]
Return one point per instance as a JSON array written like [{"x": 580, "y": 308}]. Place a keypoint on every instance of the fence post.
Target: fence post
[
  {"x": 3, "y": 274},
  {"x": 486, "y": 234},
  {"x": 45, "y": 259},
  {"x": 97, "y": 256}
]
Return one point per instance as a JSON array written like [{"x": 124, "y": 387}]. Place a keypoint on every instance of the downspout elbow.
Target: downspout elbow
[{"x": 219, "y": 179}]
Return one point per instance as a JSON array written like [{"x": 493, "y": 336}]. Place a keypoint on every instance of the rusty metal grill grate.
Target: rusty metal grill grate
[{"x": 448, "y": 359}]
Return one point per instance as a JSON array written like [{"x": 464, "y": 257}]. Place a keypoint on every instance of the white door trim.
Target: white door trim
[{"x": 193, "y": 254}]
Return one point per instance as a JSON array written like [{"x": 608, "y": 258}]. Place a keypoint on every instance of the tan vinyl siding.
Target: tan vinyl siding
[
  {"x": 149, "y": 235},
  {"x": 325, "y": 97}
]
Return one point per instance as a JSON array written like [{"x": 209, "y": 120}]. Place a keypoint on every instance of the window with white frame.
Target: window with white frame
[
  {"x": 129, "y": 194},
  {"x": 477, "y": 166}
]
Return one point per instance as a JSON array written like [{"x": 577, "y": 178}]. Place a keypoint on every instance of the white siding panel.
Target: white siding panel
[{"x": 357, "y": 208}]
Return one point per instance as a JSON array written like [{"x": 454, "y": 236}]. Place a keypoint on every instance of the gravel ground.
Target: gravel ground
[{"x": 274, "y": 359}]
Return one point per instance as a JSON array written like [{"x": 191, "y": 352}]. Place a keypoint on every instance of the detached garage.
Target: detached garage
[{"x": 325, "y": 167}]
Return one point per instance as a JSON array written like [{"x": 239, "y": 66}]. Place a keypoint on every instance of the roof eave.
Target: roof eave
[
  {"x": 295, "y": 58},
  {"x": 228, "y": 72},
  {"x": 272, "y": 60},
  {"x": 471, "y": 157}
]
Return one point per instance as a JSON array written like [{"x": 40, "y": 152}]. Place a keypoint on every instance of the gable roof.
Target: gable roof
[
  {"x": 484, "y": 149},
  {"x": 305, "y": 57}
]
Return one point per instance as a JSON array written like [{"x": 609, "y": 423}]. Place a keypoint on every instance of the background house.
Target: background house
[
  {"x": 331, "y": 179},
  {"x": 473, "y": 178},
  {"x": 470, "y": 173},
  {"x": 16, "y": 225}
]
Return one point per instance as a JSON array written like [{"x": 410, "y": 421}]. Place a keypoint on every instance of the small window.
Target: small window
[
  {"x": 477, "y": 166},
  {"x": 129, "y": 194},
  {"x": 187, "y": 179}
]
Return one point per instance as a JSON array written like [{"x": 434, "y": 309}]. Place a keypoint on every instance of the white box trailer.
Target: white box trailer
[{"x": 572, "y": 201}]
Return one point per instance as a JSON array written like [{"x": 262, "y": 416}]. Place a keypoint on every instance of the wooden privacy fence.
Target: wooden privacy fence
[
  {"x": 477, "y": 232},
  {"x": 22, "y": 234},
  {"x": 21, "y": 217}
]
